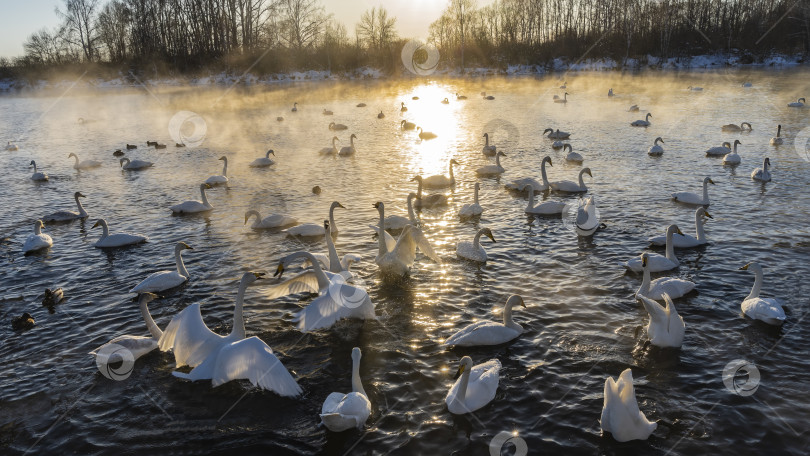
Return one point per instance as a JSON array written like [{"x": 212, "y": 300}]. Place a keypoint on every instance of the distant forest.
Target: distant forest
[{"x": 194, "y": 36}]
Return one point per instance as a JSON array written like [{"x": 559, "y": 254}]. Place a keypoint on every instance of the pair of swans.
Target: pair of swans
[
  {"x": 86, "y": 164},
  {"x": 473, "y": 251},
  {"x": 642, "y": 123},
  {"x": 345, "y": 411},
  {"x": 337, "y": 127},
  {"x": 552, "y": 134},
  {"x": 135, "y": 165},
  {"x": 38, "y": 176},
  {"x": 429, "y": 201},
  {"x": 657, "y": 262},
  {"x": 395, "y": 257},
  {"x": 116, "y": 240},
  {"x": 166, "y": 280},
  {"x": 719, "y": 151},
  {"x": 733, "y": 158},
  {"x": 263, "y": 162},
  {"x": 473, "y": 209},
  {"x": 66, "y": 216},
  {"x": 665, "y": 286},
  {"x": 567, "y": 186},
  {"x": 777, "y": 140},
  {"x": 492, "y": 170},
  {"x": 331, "y": 261},
  {"x": 544, "y": 208},
  {"x": 685, "y": 241},
  {"x": 489, "y": 332},
  {"x": 475, "y": 387},
  {"x": 38, "y": 240},
  {"x": 520, "y": 184},
  {"x": 762, "y": 174},
  {"x": 272, "y": 221},
  {"x": 220, "y": 179},
  {"x": 621, "y": 416},
  {"x": 225, "y": 358},
  {"x": 488, "y": 150},
  {"x": 745, "y": 126},
  {"x": 440, "y": 180},
  {"x": 666, "y": 327},
  {"x": 398, "y": 222},
  {"x": 315, "y": 229},
  {"x": 693, "y": 198},
  {"x": 194, "y": 206},
  {"x": 798, "y": 103},
  {"x": 656, "y": 150},
  {"x": 768, "y": 310}
]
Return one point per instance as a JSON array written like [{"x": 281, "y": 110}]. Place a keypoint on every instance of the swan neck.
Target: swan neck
[
  {"x": 475, "y": 196},
  {"x": 357, "y": 383},
  {"x": 323, "y": 281},
  {"x": 381, "y": 235},
  {"x": 543, "y": 174},
  {"x": 154, "y": 330},
  {"x": 332, "y": 226},
  {"x": 531, "y": 199},
  {"x": 705, "y": 191},
  {"x": 178, "y": 258},
  {"x": 477, "y": 239},
  {"x": 701, "y": 235},
  {"x": 106, "y": 230},
  {"x": 35, "y": 167},
  {"x": 671, "y": 247},
  {"x": 451, "y": 172},
  {"x": 225, "y": 168},
  {"x": 507, "y": 318},
  {"x": 82, "y": 212},
  {"x": 202, "y": 194},
  {"x": 758, "y": 279},
  {"x": 37, "y": 229},
  {"x": 498, "y": 159},
  {"x": 645, "y": 283},
  {"x": 76, "y": 160},
  {"x": 581, "y": 180},
  {"x": 334, "y": 261},
  {"x": 238, "y": 316},
  {"x": 461, "y": 394},
  {"x": 412, "y": 215}
]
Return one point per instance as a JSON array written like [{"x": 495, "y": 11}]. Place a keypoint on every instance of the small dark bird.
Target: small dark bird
[
  {"x": 151, "y": 143},
  {"x": 53, "y": 297},
  {"x": 380, "y": 115},
  {"x": 316, "y": 190},
  {"x": 160, "y": 146},
  {"x": 24, "y": 321},
  {"x": 179, "y": 145},
  {"x": 280, "y": 119},
  {"x": 131, "y": 146},
  {"x": 118, "y": 153}
]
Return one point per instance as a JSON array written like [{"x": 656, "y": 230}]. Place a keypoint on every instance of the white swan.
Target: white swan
[
  {"x": 473, "y": 251},
  {"x": 460, "y": 97},
  {"x": 572, "y": 156},
  {"x": 337, "y": 127},
  {"x": 345, "y": 411},
  {"x": 432, "y": 200},
  {"x": 348, "y": 150},
  {"x": 762, "y": 174},
  {"x": 38, "y": 176},
  {"x": 633, "y": 108},
  {"x": 332, "y": 262},
  {"x": 327, "y": 112},
  {"x": 269, "y": 222},
  {"x": 476, "y": 386},
  {"x": 37, "y": 240},
  {"x": 658, "y": 288},
  {"x": 402, "y": 108},
  {"x": 331, "y": 150},
  {"x": 64, "y": 216},
  {"x": 798, "y": 103},
  {"x": 489, "y": 332},
  {"x": 620, "y": 413},
  {"x": 194, "y": 206},
  {"x": 557, "y": 145},
  {"x": 587, "y": 220},
  {"x": 694, "y": 198},
  {"x": 642, "y": 123},
  {"x": 685, "y": 241},
  {"x": 118, "y": 239},
  {"x": 295, "y": 107},
  {"x": 166, "y": 280},
  {"x": 337, "y": 300},
  {"x": 440, "y": 180},
  {"x": 492, "y": 170},
  {"x": 733, "y": 158},
  {"x": 399, "y": 222},
  {"x": 136, "y": 345},
  {"x": 745, "y": 126},
  {"x": 407, "y": 125},
  {"x": 666, "y": 328},
  {"x": 488, "y": 150},
  {"x": 222, "y": 179},
  {"x": 520, "y": 184},
  {"x": 572, "y": 187},
  {"x": 316, "y": 229},
  {"x": 87, "y": 164},
  {"x": 134, "y": 165},
  {"x": 777, "y": 140},
  {"x": 545, "y": 208},
  {"x": 719, "y": 151},
  {"x": 656, "y": 150},
  {"x": 471, "y": 210},
  {"x": 768, "y": 310},
  {"x": 11, "y": 147},
  {"x": 425, "y": 134},
  {"x": 655, "y": 261},
  {"x": 263, "y": 162},
  {"x": 397, "y": 261},
  {"x": 562, "y": 100},
  {"x": 556, "y": 134}
]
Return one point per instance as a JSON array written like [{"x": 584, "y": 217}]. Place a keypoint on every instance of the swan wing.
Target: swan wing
[
  {"x": 189, "y": 338},
  {"x": 252, "y": 359},
  {"x": 407, "y": 243},
  {"x": 675, "y": 288},
  {"x": 390, "y": 242},
  {"x": 482, "y": 333},
  {"x": 767, "y": 310},
  {"x": 159, "y": 281},
  {"x": 340, "y": 301},
  {"x": 305, "y": 282},
  {"x": 484, "y": 379},
  {"x": 137, "y": 345}
]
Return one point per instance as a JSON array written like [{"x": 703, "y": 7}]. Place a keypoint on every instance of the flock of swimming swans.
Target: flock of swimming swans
[{"x": 220, "y": 359}]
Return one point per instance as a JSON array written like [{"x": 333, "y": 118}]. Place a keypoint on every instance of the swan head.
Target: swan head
[
  {"x": 99, "y": 222},
  {"x": 708, "y": 180},
  {"x": 271, "y": 152},
  {"x": 33, "y": 163},
  {"x": 568, "y": 148},
  {"x": 586, "y": 171},
  {"x": 353, "y": 136},
  {"x": 515, "y": 300},
  {"x": 356, "y": 354},
  {"x": 336, "y": 204},
  {"x": 500, "y": 154},
  {"x": 648, "y": 116},
  {"x": 674, "y": 229},
  {"x": 223, "y": 158},
  {"x": 767, "y": 161},
  {"x": 412, "y": 195},
  {"x": 466, "y": 365},
  {"x": 249, "y": 214},
  {"x": 417, "y": 179},
  {"x": 250, "y": 277},
  {"x": 486, "y": 135},
  {"x": 746, "y": 123},
  {"x": 454, "y": 162},
  {"x": 326, "y": 225},
  {"x": 704, "y": 212},
  {"x": 39, "y": 224},
  {"x": 205, "y": 186},
  {"x": 146, "y": 298},
  {"x": 488, "y": 233},
  {"x": 72, "y": 155},
  {"x": 644, "y": 259},
  {"x": 380, "y": 206},
  {"x": 752, "y": 266},
  {"x": 659, "y": 139},
  {"x": 547, "y": 159},
  {"x": 78, "y": 195},
  {"x": 737, "y": 141},
  {"x": 183, "y": 246}
]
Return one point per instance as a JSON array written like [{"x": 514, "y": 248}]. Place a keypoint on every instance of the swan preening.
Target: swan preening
[
  {"x": 545, "y": 208},
  {"x": 777, "y": 140},
  {"x": 118, "y": 239},
  {"x": 798, "y": 103},
  {"x": 666, "y": 328},
  {"x": 263, "y": 162},
  {"x": 658, "y": 288},
  {"x": 37, "y": 240},
  {"x": 762, "y": 174},
  {"x": 768, "y": 310},
  {"x": 194, "y": 206},
  {"x": 492, "y": 170},
  {"x": 166, "y": 280},
  {"x": 316, "y": 229},
  {"x": 567, "y": 186},
  {"x": 520, "y": 184},
  {"x": 552, "y": 134},
  {"x": 685, "y": 241},
  {"x": 620, "y": 413},
  {"x": 65, "y": 216},
  {"x": 136, "y": 345},
  {"x": 345, "y": 411},
  {"x": 656, "y": 262},
  {"x": 745, "y": 126},
  {"x": 269, "y": 222},
  {"x": 348, "y": 150},
  {"x": 337, "y": 127},
  {"x": 733, "y": 158},
  {"x": 476, "y": 386},
  {"x": 432, "y": 200},
  {"x": 37, "y": 176},
  {"x": 425, "y": 134},
  {"x": 468, "y": 210},
  {"x": 225, "y": 358},
  {"x": 135, "y": 164},
  {"x": 694, "y": 198},
  {"x": 572, "y": 156},
  {"x": 488, "y": 150},
  {"x": 656, "y": 150},
  {"x": 221, "y": 179},
  {"x": 490, "y": 332},
  {"x": 719, "y": 151},
  {"x": 397, "y": 261},
  {"x": 642, "y": 123},
  {"x": 440, "y": 180},
  {"x": 473, "y": 251},
  {"x": 331, "y": 150},
  {"x": 87, "y": 164}
]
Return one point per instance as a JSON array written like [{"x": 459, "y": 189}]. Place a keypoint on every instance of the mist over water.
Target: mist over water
[{"x": 581, "y": 317}]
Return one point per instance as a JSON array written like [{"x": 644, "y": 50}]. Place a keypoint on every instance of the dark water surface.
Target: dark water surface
[{"x": 581, "y": 318}]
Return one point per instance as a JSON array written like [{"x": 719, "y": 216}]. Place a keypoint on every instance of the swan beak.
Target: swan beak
[
  {"x": 259, "y": 275},
  {"x": 707, "y": 214},
  {"x": 82, "y": 196},
  {"x": 342, "y": 206},
  {"x": 489, "y": 235},
  {"x": 679, "y": 231},
  {"x": 246, "y": 219},
  {"x": 711, "y": 181},
  {"x": 745, "y": 268},
  {"x": 279, "y": 270},
  {"x": 96, "y": 224},
  {"x": 644, "y": 262},
  {"x": 376, "y": 205},
  {"x": 459, "y": 372}
]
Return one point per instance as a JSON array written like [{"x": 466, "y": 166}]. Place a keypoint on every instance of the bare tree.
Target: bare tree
[{"x": 80, "y": 22}]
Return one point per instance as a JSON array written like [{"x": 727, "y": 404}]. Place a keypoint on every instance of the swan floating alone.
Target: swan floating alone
[
  {"x": 768, "y": 310},
  {"x": 488, "y": 150},
  {"x": 425, "y": 135},
  {"x": 642, "y": 123},
  {"x": 762, "y": 174},
  {"x": 194, "y": 206},
  {"x": 732, "y": 158},
  {"x": 407, "y": 125},
  {"x": 685, "y": 241},
  {"x": 136, "y": 345},
  {"x": 381, "y": 115},
  {"x": 315, "y": 229},
  {"x": 397, "y": 261},
  {"x": 492, "y": 170},
  {"x": 348, "y": 150},
  {"x": 655, "y": 261},
  {"x": 798, "y": 103},
  {"x": 469, "y": 210},
  {"x": 402, "y": 107},
  {"x": 460, "y": 97},
  {"x": 134, "y": 165},
  {"x": 777, "y": 140},
  {"x": 572, "y": 156},
  {"x": 221, "y": 179},
  {"x": 473, "y": 251},
  {"x": 572, "y": 187},
  {"x": 656, "y": 150},
  {"x": 745, "y": 126},
  {"x": 556, "y": 134},
  {"x": 340, "y": 411},
  {"x": 87, "y": 164},
  {"x": 489, "y": 332},
  {"x": 166, "y": 280},
  {"x": 440, "y": 180},
  {"x": 37, "y": 241},
  {"x": 116, "y": 240},
  {"x": 562, "y": 100},
  {"x": 65, "y": 216},
  {"x": 610, "y": 92},
  {"x": 263, "y": 162},
  {"x": 295, "y": 107},
  {"x": 445, "y": 101},
  {"x": 331, "y": 150},
  {"x": 269, "y": 222},
  {"x": 666, "y": 328},
  {"x": 658, "y": 288},
  {"x": 694, "y": 198},
  {"x": 545, "y": 208},
  {"x": 337, "y": 127},
  {"x": 11, "y": 147},
  {"x": 695, "y": 89},
  {"x": 38, "y": 176},
  {"x": 327, "y": 112},
  {"x": 432, "y": 200},
  {"x": 620, "y": 413},
  {"x": 520, "y": 184},
  {"x": 476, "y": 386},
  {"x": 719, "y": 151}
]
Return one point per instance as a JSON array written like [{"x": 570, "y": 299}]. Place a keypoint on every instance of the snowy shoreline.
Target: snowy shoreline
[{"x": 558, "y": 65}]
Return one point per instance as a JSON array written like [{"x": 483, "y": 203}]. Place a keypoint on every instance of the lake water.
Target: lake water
[{"x": 581, "y": 318}]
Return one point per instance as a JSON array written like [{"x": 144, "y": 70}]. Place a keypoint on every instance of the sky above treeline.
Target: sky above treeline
[{"x": 21, "y": 18}]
